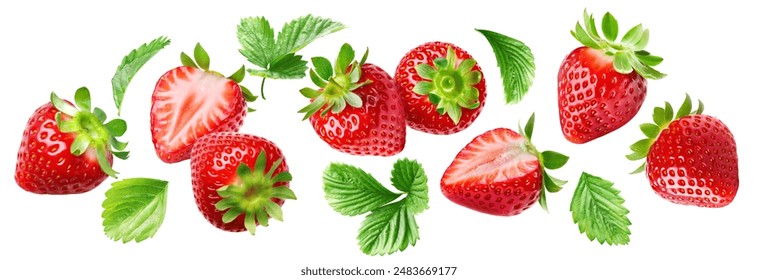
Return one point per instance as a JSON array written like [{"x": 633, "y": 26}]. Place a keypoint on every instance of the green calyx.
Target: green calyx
[
  {"x": 548, "y": 160},
  {"x": 662, "y": 117},
  {"x": 336, "y": 85},
  {"x": 252, "y": 195},
  {"x": 203, "y": 61},
  {"x": 90, "y": 128},
  {"x": 448, "y": 86},
  {"x": 629, "y": 54}
]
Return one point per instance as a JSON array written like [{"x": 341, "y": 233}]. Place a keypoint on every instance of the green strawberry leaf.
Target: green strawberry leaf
[
  {"x": 131, "y": 63},
  {"x": 553, "y": 160},
  {"x": 388, "y": 229},
  {"x": 351, "y": 191},
  {"x": 516, "y": 63},
  {"x": 276, "y": 56},
  {"x": 134, "y": 209},
  {"x": 598, "y": 210},
  {"x": 610, "y": 27},
  {"x": 391, "y": 225}
]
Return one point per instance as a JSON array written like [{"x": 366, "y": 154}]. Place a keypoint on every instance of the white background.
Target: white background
[{"x": 62, "y": 45}]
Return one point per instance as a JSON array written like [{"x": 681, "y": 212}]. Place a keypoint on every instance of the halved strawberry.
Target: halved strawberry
[
  {"x": 501, "y": 173},
  {"x": 191, "y": 101}
]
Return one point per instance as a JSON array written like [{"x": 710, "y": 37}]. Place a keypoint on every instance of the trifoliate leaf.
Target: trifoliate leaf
[
  {"x": 516, "y": 63},
  {"x": 598, "y": 210},
  {"x": 131, "y": 64},
  {"x": 351, "y": 191},
  {"x": 391, "y": 226},
  {"x": 134, "y": 209}
]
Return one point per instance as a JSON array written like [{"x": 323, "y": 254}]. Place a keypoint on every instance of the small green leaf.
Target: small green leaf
[
  {"x": 553, "y": 160},
  {"x": 426, "y": 71},
  {"x": 300, "y": 32},
  {"x": 82, "y": 99},
  {"x": 649, "y": 60},
  {"x": 529, "y": 128},
  {"x": 684, "y": 110},
  {"x": 351, "y": 191},
  {"x": 344, "y": 58},
  {"x": 318, "y": 81},
  {"x": 642, "y": 145},
  {"x": 353, "y": 100},
  {"x": 636, "y": 156},
  {"x": 100, "y": 114},
  {"x": 102, "y": 160},
  {"x": 589, "y": 24},
  {"x": 642, "y": 42},
  {"x": 388, "y": 229},
  {"x": 583, "y": 37},
  {"x": 201, "y": 57},
  {"x": 659, "y": 116},
  {"x": 62, "y": 105},
  {"x": 610, "y": 27},
  {"x": 116, "y": 127},
  {"x": 543, "y": 198},
  {"x": 274, "y": 210},
  {"x": 423, "y": 87},
  {"x": 121, "y": 154},
  {"x": 249, "y": 97},
  {"x": 187, "y": 61},
  {"x": 622, "y": 62},
  {"x": 668, "y": 112},
  {"x": 134, "y": 209},
  {"x": 310, "y": 93},
  {"x": 633, "y": 35},
  {"x": 283, "y": 192},
  {"x": 257, "y": 40},
  {"x": 550, "y": 184},
  {"x": 639, "y": 169},
  {"x": 238, "y": 76},
  {"x": 80, "y": 144},
  {"x": 408, "y": 176},
  {"x": 516, "y": 63},
  {"x": 323, "y": 67},
  {"x": 118, "y": 145},
  {"x": 131, "y": 64},
  {"x": 598, "y": 210},
  {"x": 650, "y": 130},
  {"x": 289, "y": 66}
]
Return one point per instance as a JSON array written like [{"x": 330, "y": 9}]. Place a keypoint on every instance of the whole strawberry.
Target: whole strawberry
[
  {"x": 191, "y": 101},
  {"x": 239, "y": 180},
  {"x": 68, "y": 150},
  {"x": 691, "y": 158},
  {"x": 357, "y": 108},
  {"x": 442, "y": 87},
  {"x": 501, "y": 173},
  {"x": 602, "y": 85}
]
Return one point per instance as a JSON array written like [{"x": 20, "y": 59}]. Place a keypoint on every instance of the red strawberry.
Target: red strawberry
[
  {"x": 357, "y": 108},
  {"x": 442, "y": 86},
  {"x": 68, "y": 150},
  {"x": 501, "y": 173},
  {"x": 191, "y": 101},
  {"x": 602, "y": 85},
  {"x": 691, "y": 157},
  {"x": 239, "y": 180}
]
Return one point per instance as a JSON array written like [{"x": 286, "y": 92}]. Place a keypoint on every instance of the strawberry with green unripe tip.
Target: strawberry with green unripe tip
[
  {"x": 602, "y": 85},
  {"x": 357, "y": 108},
  {"x": 690, "y": 157},
  {"x": 68, "y": 148}
]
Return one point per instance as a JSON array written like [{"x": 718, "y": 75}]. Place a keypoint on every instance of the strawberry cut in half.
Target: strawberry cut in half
[
  {"x": 602, "y": 85},
  {"x": 500, "y": 172},
  {"x": 442, "y": 86},
  {"x": 68, "y": 149},
  {"x": 191, "y": 101},
  {"x": 690, "y": 158},
  {"x": 239, "y": 180},
  {"x": 357, "y": 108}
]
